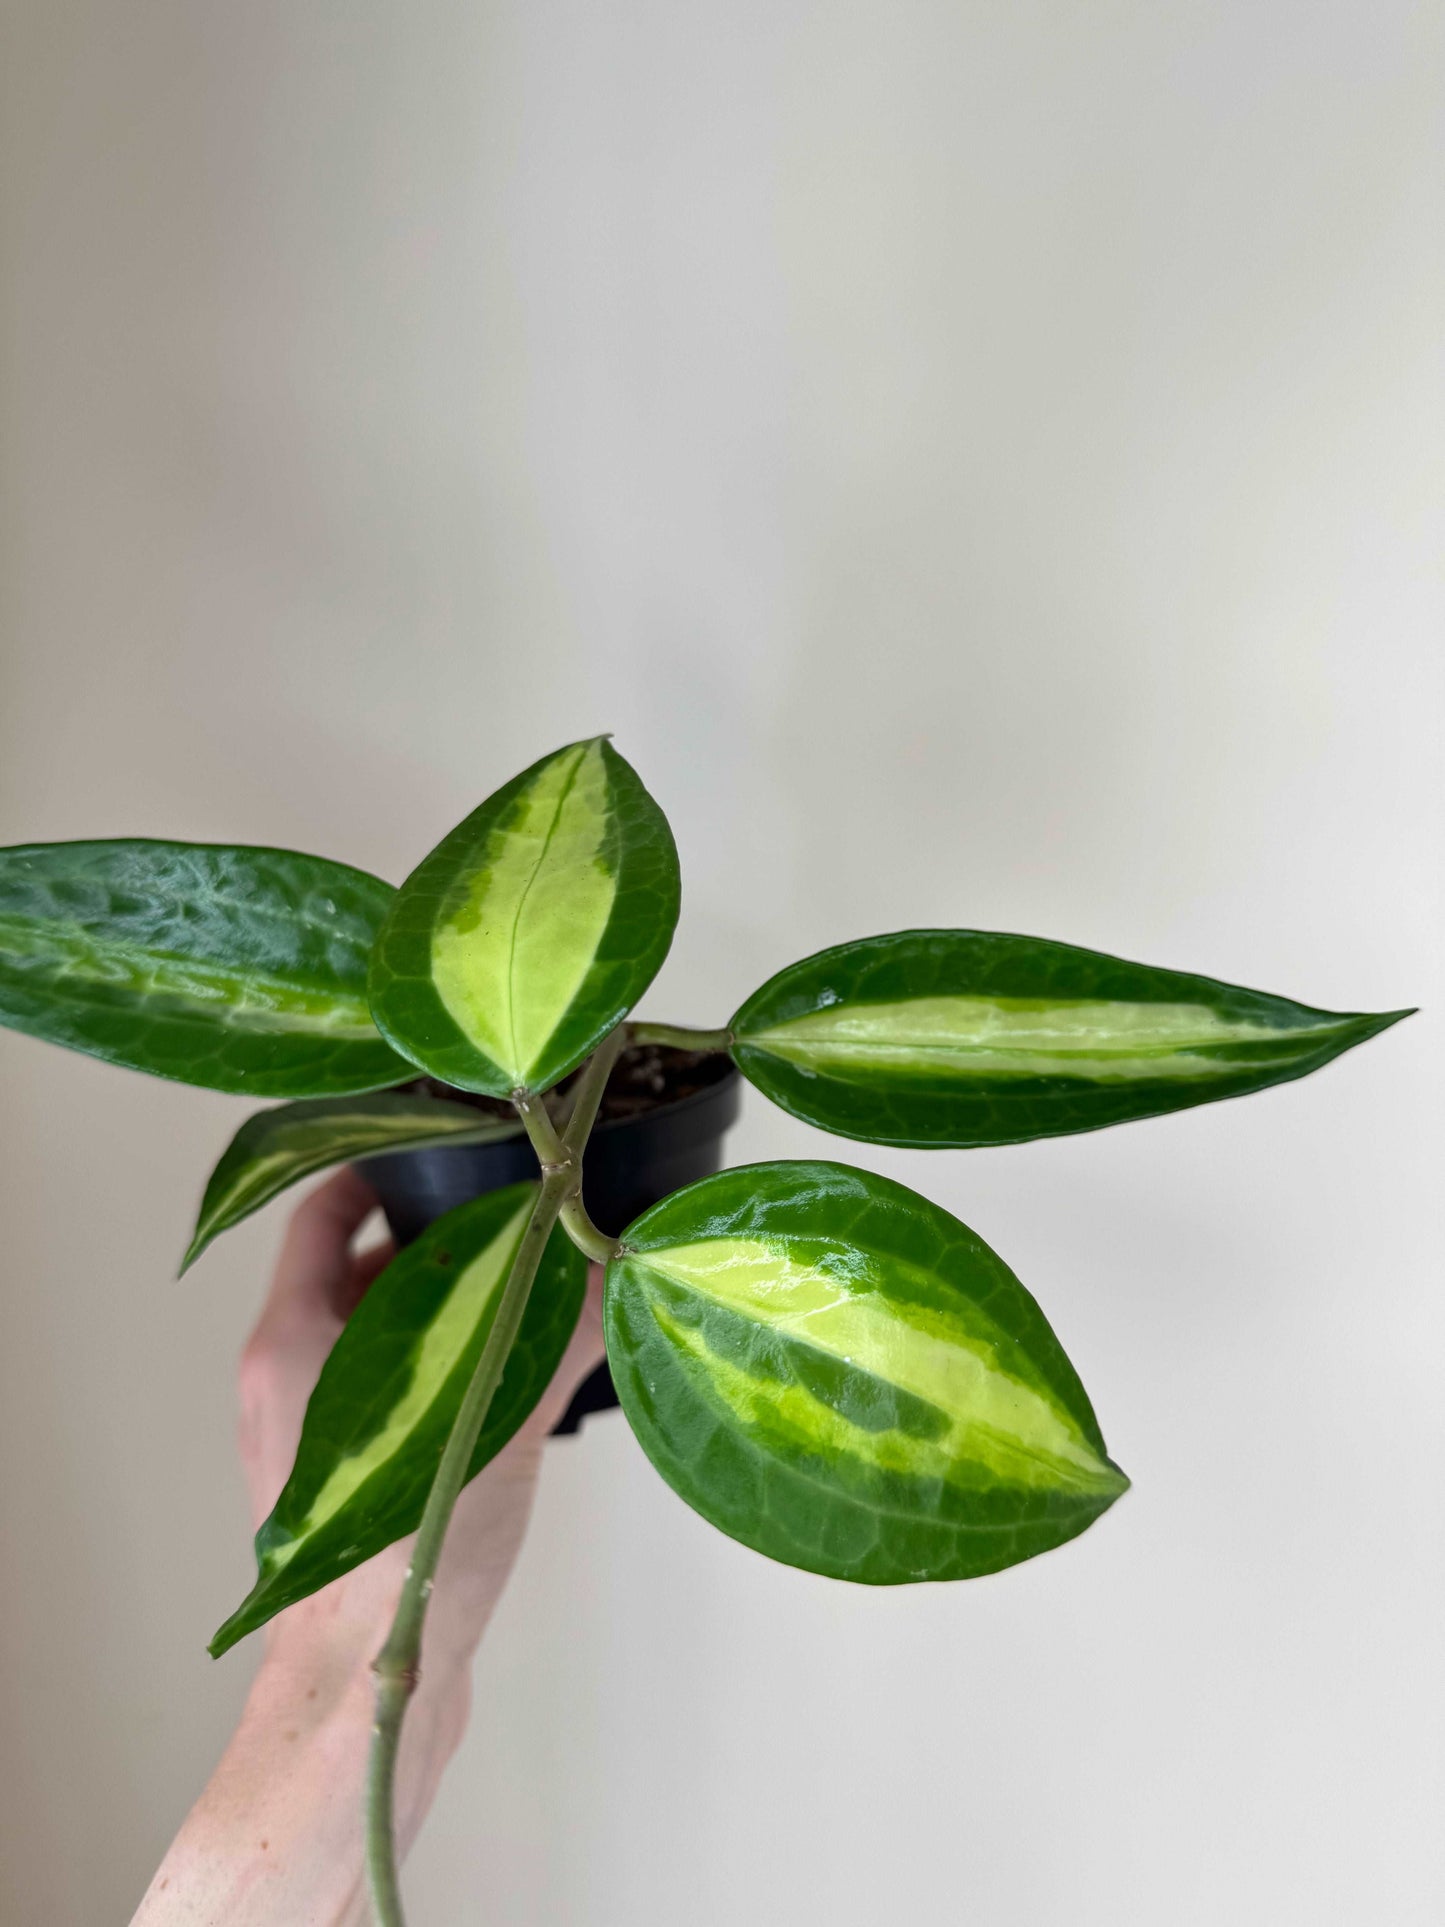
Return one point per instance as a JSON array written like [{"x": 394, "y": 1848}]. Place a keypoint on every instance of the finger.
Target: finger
[
  {"x": 324, "y": 1223},
  {"x": 309, "y": 1285},
  {"x": 366, "y": 1267}
]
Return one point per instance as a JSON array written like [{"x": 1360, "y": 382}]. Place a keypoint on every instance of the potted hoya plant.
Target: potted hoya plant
[{"x": 822, "y": 1363}]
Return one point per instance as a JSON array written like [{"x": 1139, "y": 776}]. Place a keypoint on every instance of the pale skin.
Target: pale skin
[{"x": 276, "y": 1835}]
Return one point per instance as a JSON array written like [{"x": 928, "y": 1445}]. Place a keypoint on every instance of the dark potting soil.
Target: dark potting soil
[{"x": 644, "y": 1078}]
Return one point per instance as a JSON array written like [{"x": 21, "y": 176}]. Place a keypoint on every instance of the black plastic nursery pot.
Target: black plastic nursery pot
[{"x": 661, "y": 1125}]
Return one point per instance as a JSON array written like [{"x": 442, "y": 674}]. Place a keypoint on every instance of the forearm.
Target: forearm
[
  {"x": 277, "y": 1836},
  {"x": 277, "y": 1833}
]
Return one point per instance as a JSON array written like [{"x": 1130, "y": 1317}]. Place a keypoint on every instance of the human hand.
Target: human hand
[{"x": 277, "y": 1835}]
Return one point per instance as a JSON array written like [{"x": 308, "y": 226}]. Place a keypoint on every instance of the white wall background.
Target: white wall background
[{"x": 983, "y": 462}]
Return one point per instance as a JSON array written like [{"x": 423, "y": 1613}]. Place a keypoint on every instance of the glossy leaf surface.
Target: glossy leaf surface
[
  {"x": 278, "y": 1148},
  {"x": 386, "y": 1398},
  {"x": 838, "y": 1373},
  {"x": 533, "y": 928},
  {"x": 240, "y": 969},
  {"x": 967, "y": 1037}
]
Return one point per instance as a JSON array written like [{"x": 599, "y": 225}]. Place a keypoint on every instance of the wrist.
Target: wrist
[{"x": 277, "y": 1833}]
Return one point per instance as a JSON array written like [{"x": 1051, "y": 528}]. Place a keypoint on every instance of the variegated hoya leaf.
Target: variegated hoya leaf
[
  {"x": 388, "y": 1394},
  {"x": 240, "y": 969},
  {"x": 841, "y": 1375},
  {"x": 967, "y": 1037},
  {"x": 532, "y": 929},
  {"x": 278, "y": 1148}
]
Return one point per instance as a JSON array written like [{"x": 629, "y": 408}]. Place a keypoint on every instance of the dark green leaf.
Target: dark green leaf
[
  {"x": 239, "y": 969},
  {"x": 532, "y": 929},
  {"x": 276, "y": 1149},
  {"x": 384, "y": 1404},
  {"x": 841, "y": 1375},
  {"x": 966, "y": 1037}
]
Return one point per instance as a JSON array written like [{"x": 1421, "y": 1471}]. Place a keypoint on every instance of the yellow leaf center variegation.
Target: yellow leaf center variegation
[
  {"x": 969, "y": 1037},
  {"x": 509, "y": 959},
  {"x": 434, "y": 1359},
  {"x": 301, "y": 1151},
  {"x": 989, "y": 1421}
]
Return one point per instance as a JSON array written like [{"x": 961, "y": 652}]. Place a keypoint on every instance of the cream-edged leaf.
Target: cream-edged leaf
[
  {"x": 533, "y": 928},
  {"x": 844, "y": 1377}
]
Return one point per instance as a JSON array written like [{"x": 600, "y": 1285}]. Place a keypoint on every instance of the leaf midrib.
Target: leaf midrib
[
  {"x": 65, "y": 964},
  {"x": 949, "y": 1048},
  {"x": 1032, "y": 1455},
  {"x": 522, "y": 904}
]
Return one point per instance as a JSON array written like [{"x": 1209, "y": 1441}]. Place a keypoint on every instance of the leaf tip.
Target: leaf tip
[
  {"x": 1370, "y": 1023},
  {"x": 245, "y": 1619},
  {"x": 225, "y": 1638}
]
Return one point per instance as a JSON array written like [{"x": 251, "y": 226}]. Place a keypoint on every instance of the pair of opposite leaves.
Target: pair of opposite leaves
[{"x": 824, "y": 1364}]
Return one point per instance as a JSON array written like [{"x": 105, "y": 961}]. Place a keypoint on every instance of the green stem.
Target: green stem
[
  {"x": 553, "y": 1155},
  {"x": 590, "y": 1086},
  {"x": 681, "y": 1037},
  {"x": 397, "y": 1666},
  {"x": 589, "y": 1239},
  {"x": 546, "y": 1138}
]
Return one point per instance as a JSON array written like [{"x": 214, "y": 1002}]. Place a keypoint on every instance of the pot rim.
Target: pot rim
[
  {"x": 730, "y": 1080},
  {"x": 727, "y": 1086}
]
